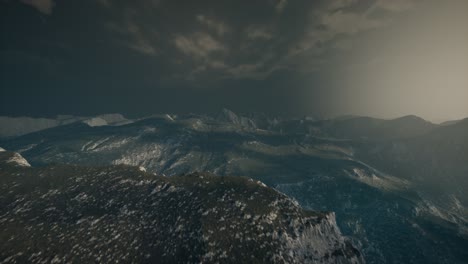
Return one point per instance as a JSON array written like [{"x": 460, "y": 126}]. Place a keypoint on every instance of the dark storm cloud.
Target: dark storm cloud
[
  {"x": 44, "y": 6},
  {"x": 231, "y": 39},
  {"x": 217, "y": 53}
]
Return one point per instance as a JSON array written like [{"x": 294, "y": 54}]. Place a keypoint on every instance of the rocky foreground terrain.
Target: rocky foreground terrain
[{"x": 68, "y": 213}]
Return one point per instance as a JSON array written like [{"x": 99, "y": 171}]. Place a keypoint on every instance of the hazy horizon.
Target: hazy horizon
[{"x": 214, "y": 113}]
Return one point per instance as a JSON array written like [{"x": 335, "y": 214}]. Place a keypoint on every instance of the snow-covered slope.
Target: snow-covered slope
[
  {"x": 229, "y": 116},
  {"x": 107, "y": 120},
  {"x": 95, "y": 121},
  {"x": 12, "y": 159}
]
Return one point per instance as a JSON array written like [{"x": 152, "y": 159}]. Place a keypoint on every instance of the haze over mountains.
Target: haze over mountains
[
  {"x": 398, "y": 187},
  {"x": 17, "y": 126}
]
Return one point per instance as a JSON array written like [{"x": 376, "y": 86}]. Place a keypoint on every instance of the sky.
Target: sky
[{"x": 381, "y": 58}]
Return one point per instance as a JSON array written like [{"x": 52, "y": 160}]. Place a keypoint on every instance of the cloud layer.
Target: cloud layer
[
  {"x": 43, "y": 6},
  {"x": 331, "y": 56}
]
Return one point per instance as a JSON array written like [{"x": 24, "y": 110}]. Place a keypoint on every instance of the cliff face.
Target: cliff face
[
  {"x": 327, "y": 235},
  {"x": 321, "y": 242},
  {"x": 104, "y": 214}
]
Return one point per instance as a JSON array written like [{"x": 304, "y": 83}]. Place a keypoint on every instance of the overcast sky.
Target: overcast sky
[{"x": 383, "y": 58}]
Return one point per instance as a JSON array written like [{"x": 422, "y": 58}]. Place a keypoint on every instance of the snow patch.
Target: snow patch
[
  {"x": 169, "y": 117},
  {"x": 95, "y": 122},
  {"x": 376, "y": 179},
  {"x": 114, "y": 119},
  {"x": 18, "y": 160}
]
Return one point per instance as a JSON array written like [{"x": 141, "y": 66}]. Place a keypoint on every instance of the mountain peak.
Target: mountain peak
[
  {"x": 410, "y": 118},
  {"x": 229, "y": 116}
]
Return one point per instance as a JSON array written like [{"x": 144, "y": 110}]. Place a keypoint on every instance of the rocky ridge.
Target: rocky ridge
[{"x": 68, "y": 213}]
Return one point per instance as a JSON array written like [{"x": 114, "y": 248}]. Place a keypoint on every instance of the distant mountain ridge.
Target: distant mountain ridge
[
  {"x": 373, "y": 128},
  {"x": 355, "y": 126},
  {"x": 18, "y": 126}
]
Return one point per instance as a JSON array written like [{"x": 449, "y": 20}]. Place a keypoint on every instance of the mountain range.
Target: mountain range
[{"x": 398, "y": 187}]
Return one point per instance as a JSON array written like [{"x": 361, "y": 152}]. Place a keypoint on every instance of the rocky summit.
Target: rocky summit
[{"x": 78, "y": 214}]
